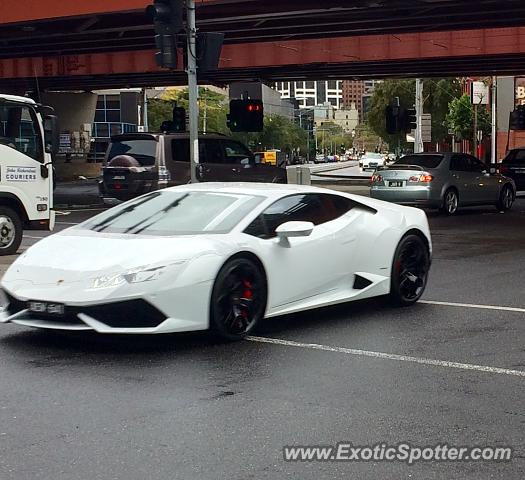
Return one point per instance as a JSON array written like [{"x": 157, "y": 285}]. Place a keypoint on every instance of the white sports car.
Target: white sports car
[{"x": 221, "y": 256}]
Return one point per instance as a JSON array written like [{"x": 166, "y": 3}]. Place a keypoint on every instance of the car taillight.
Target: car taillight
[
  {"x": 423, "y": 178},
  {"x": 377, "y": 178}
]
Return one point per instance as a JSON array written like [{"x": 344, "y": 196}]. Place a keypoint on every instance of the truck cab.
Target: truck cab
[{"x": 28, "y": 140}]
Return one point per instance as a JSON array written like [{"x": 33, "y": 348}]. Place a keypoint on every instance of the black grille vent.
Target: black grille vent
[{"x": 361, "y": 282}]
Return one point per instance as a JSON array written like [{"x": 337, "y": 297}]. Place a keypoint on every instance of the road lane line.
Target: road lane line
[
  {"x": 34, "y": 238},
  {"x": 390, "y": 356},
  {"x": 474, "y": 305},
  {"x": 66, "y": 223}
]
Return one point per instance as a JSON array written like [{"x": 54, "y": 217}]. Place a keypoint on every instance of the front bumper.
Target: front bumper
[
  {"x": 146, "y": 314},
  {"x": 420, "y": 196}
]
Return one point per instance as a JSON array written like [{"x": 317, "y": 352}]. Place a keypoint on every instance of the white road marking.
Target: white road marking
[
  {"x": 474, "y": 305},
  {"x": 66, "y": 223},
  {"x": 34, "y": 238},
  {"x": 390, "y": 356}
]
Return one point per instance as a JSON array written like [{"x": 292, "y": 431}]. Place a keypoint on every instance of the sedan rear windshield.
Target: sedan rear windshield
[
  {"x": 425, "y": 161},
  {"x": 175, "y": 213},
  {"x": 143, "y": 150},
  {"x": 515, "y": 156}
]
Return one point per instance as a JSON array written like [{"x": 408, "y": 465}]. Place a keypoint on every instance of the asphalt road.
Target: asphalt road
[{"x": 89, "y": 407}]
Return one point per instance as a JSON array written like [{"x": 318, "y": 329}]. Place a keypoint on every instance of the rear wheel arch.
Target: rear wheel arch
[{"x": 420, "y": 234}]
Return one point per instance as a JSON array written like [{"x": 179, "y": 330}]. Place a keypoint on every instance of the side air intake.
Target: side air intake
[{"x": 361, "y": 282}]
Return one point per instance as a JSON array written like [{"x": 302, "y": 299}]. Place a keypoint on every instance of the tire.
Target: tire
[
  {"x": 238, "y": 299},
  {"x": 409, "y": 271},
  {"x": 506, "y": 198},
  {"x": 450, "y": 202},
  {"x": 10, "y": 231}
]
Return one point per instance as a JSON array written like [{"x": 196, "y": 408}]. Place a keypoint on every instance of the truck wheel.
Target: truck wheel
[{"x": 10, "y": 231}]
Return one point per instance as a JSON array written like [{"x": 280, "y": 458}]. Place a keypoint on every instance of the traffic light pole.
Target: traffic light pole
[
  {"x": 418, "y": 142},
  {"x": 193, "y": 90}
]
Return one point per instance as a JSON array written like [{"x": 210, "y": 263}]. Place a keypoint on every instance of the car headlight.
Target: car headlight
[{"x": 135, "y": 275}]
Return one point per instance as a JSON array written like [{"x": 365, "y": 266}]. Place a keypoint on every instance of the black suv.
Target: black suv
[
  {"x": 138, "y": 163},
  {"x": 513, "y": 166}
]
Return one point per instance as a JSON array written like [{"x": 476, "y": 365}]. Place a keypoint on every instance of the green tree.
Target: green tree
[
  {"x": 213, "y": 108},
  {"x": 437, "y": 94},
  {"x": 460, "y": 118}
]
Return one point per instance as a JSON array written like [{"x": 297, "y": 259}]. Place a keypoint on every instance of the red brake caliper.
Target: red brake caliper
[{"x": 247, "y": 294}]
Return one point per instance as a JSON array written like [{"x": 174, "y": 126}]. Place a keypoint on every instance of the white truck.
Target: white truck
[{"x": 28, "y": 140}]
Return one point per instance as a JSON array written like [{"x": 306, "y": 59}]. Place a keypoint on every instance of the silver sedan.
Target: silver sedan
[{"x": 442, "y": 180}]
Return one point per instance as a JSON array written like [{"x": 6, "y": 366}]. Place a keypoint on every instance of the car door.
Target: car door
[
  {"x": 463, "y": 178},
  {"x": 212, "y": 166},
  {"x": 178, "y": 160},
  {"x": 308, "y": 266},
  {"x": 486, "y": 187},
  {"x": 239, "y": 162}
]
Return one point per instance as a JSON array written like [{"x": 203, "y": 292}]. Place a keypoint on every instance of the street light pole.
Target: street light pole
[
  {"x": 494, "y": 132},
  {"x": 193, "y": 90}
]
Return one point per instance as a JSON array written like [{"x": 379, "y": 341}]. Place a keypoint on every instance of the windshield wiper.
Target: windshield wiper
[
  {"x": 99, "y": 227},
  {"x": 163, "y": 211}
]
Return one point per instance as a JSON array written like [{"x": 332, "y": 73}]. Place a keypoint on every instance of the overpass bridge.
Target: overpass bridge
[{"x": 107, "y": 43}]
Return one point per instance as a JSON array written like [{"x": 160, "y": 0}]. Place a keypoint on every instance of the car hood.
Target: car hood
[{"x": 76, "y": 255}]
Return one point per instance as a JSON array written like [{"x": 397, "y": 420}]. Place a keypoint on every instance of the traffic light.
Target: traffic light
[
  {"x": 168, "y": 21},
  {"x": 391, "y": 119},
  {"x": 179, "y": 119},
  {"x": 246, "y": 116},
  {"x": 517, "y": 118},
  {"x": 409, "y": 122}
]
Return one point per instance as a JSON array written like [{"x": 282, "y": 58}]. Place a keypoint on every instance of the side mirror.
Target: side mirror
[
  {"x": 293, "y": 229},
  {"x": 51, "y": 134}
]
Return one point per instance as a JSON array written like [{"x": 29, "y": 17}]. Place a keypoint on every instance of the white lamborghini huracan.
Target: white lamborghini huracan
[{"x": 221, "y": 256}]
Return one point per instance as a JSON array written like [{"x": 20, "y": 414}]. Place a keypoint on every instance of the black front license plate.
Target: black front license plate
[{"x": 46, "y": 308}]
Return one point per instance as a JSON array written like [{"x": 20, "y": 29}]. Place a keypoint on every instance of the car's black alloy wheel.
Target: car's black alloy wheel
[
  {"x": 238, "y": 299},
  {"x": 409, "y": 270},
  {"x": 506, "y": 199}
]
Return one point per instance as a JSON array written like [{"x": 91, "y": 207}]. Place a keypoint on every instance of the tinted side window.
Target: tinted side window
[
  {"x": 458, "y": 163},
  {"x": 213, "y": 151},
  {"x": 304, "y": 207},
  {"x": 474, "y": 165},
  {"x": 235, "y": 152},
  {"x": 180, "y": 150},
  {"x": 335, "y": 206}
]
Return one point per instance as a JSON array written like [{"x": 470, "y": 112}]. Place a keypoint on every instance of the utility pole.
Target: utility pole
[
  {"x": 418, "y": 143},
  {"x": 475, "y": 130},
  {"x": 193, "y": 90},
  {"x": 493, "y": 139}
]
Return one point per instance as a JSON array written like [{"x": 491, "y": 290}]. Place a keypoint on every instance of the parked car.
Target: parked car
[
  {"x": 513, "y": 166},
  {"x": 137, "y": 163},
  {"x": 442, "y": 180},
  {"x": 370, "y": 161}
]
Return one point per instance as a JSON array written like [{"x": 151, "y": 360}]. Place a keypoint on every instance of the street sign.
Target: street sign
[
  {"x": 479, "y": 93},
  {"x": 426, "y": 127}
]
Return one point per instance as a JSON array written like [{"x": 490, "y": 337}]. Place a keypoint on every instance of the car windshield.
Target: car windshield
[
  {"x": 425, "y": 161},
  {"x": 143, "y": 150},
  {"x": 175, "y": 213},
  {"x": 373, "y": 155}
]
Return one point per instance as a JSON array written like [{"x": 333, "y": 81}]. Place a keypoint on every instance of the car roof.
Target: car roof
[{"x": 251, "y": 188}]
